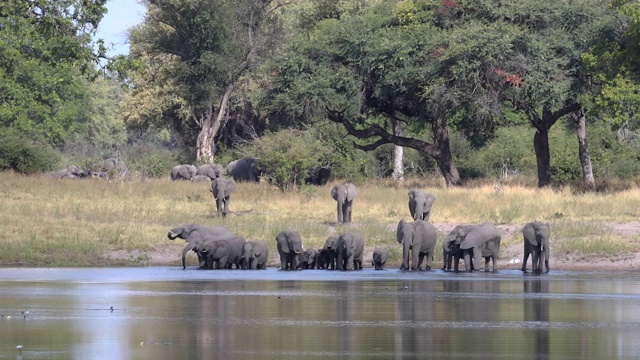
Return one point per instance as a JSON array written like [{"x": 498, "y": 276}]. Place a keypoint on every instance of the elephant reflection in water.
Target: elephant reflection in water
[
  {"x": 414, "y": 305},
  {"x": 536, "y": 309}
]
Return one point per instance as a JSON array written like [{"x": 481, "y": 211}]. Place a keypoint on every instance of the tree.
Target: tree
[
  {"x": 45, "y": 56},
  {"x": 205, "y": 48}
]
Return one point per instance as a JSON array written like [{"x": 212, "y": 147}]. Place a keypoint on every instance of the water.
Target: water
[{"x": 170, "y": 313}]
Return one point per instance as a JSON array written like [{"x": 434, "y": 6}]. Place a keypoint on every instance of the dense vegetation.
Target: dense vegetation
[{"x": 544, "y": 92}]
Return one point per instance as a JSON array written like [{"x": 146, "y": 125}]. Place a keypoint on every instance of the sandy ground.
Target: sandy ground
[{"x": 170, "y": 253}]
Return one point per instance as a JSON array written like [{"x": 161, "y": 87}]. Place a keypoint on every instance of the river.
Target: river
[{"x": 170, "y": 313}]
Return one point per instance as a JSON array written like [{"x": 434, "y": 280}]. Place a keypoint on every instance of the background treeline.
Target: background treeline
[{"x": 519, "y": 90}]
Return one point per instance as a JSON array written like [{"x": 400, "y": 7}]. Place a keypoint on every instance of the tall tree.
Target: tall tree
[
  {"x": 206, "y": 48},
  {"x": 45, "y": 54}
]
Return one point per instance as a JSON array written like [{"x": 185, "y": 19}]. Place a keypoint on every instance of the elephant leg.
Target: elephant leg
[
  {"x": 467, "y": 261},
  {"x": 347, "y": 211},
  {"x": 283, "y": 262},
  {"x": 293, "y": 261},
  {"x": 254, "y": 263},
  {"x": 535, "y": 262},
  {"x": 219, "y": 205},
  {"x": 525, "y": 258},
  {"x": 340, "y": 214},
  {"x": 223, "y": 261}
]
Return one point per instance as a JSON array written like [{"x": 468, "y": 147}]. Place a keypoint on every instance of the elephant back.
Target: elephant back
[{"x": 427, "y": 233}]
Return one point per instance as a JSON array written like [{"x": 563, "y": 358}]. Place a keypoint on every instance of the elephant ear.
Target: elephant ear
[
  {"x": 231, "y": 186},
  {"x": 282, "y": 242},
  {"x": 472, "y": 239},
  {"x": 412, "y": 194},
  {"x": 334, "y": 192},
  {"x": 352, "y": 192},
  {"x": 530, "y": 234},
  {"x": 429, "y": 202},
  {"x": 400, "y": 231}
]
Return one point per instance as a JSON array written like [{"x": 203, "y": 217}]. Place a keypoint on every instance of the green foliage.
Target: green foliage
[
  {"x": 288, "y": 155},
  {"x": 19, "y": 154}
]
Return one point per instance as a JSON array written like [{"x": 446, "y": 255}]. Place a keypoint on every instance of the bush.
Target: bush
[{"x": 18, "y": 153}]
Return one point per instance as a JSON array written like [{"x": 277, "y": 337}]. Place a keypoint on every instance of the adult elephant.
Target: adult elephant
[
  {"x": 308, "y": 259},
  {"x": 380, "y": 256},
  {"x": 245, "y": 169},
  {"x": 328, "y": 254},
  {"x": 417, "y": 238},
  {"x": 221, "y": 188},
  {"x": 255, "y": 254},
  {"x": 344, "y": 194},
  {"x": 420, "y": 203},
  {"x": 222, "y": 253},
  {"x": 318, "y": 175},
  {"x": 473, "y": 242},
  {"x": 536, "y": 243},
  {"x": 111, "y": 166},
  {"x": 194, "y": 235},
  {"x": 211, "y": 171},
  {"x": 350, "y": 251},
  {"x": 289, "y": 245},
  {"x": 183, "y": 172}
]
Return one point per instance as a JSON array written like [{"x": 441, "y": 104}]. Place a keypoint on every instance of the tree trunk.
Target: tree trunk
[
  {"x": 543, "y": 157},
  {"x": 209, "y": 127},
  {"x": 398, "y": 154},
  {"x": 589, "y": 182},
  {"x": 445, "y": 160}
]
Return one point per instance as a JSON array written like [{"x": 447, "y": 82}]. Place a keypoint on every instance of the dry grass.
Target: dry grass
[{"x": 50, "y": 222}]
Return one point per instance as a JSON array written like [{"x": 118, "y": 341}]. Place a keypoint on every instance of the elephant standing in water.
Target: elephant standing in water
[
  {"x": 472, "y": 242},
  {"x": 221, "y": 253},
  {"x": 420, "y": 204},
  {"x": 308, "y": 259},
  {"x": 350, "y": 251},
  {"x": 194, "y": 235},
  {"x": 344, "y": 194},
  {"x": 255, "y": 254},
  {"x": 222, "y": 188},
  {"x": 536, "y": 242},
  {"x": 380, "y": 256},
  {"x": 328, "y": 255},
  {"x": 418, "y": 238},
  {"x": 289, "y": 245}
]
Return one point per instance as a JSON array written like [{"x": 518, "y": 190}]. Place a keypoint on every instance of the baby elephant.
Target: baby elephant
[{"x": 379, "y": 258}]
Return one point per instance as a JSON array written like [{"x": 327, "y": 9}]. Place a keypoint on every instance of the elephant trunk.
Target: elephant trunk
[{"x": 171, "y": 235}]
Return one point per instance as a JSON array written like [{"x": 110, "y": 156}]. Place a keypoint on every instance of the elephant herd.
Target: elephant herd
[
  {"x": 218, "y": 247},
  {"x": 100, "y": 170}
]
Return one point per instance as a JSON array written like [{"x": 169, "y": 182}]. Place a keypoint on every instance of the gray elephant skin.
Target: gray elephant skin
[
  {"x": 308, "y": 259},
  {"x": 221, "y": 253},
  {"x": 420, "y": 203},
  {"x": 211, "y": 171},
  {"x": 183, "y": 172},
  {"x": 379, "y": 258},
  {"x": 200, "y": 179},
  {"x": 344, "y": 194},
  {"x": 196, "y": 234},
  {"x": 110, "y": 165},
  {"x": 472, "y": 242},
  {"x": 221, "y": 188},
  {"x": 328, "y": 254},
  {"x": 245, "y": 169},
  {"x": 417, "y": 238},
  {"x": 289, "y": 245},
  {"x": 255, "y": 254},
  {"x": 350, "y": 251},
  {"x": 536, "y": 243}
]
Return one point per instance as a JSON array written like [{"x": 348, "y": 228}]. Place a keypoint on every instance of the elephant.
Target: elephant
[
  {"x": 193, "y": 234},
  {"x": 200, "y": 178},
  {"x": 318, "y": 175},
  {"x": 420, "y": 203},
  {"x": 472, "y": 242},
  {"x": 307, "y": 259},
  {"x": 110, "y": 165},
  {"x": 224, "y": 253},
  {"x": 289, "y": 245},
  {"x": 183, "y": 172},
  {"x": 245, "y": 169},
  {"x": 344, "y": 194},
  {"x": 380, "y": 256},
  {"x": 222, "y": 188},
  {"x": 255, "y": 254},
  {"x": 418, "y": 238},
  {"x": 328, "y": 255},
  {"x": 211, "y": 171},
  {"x": 350, "y": 250},
  {"x": 536, "y": 242}
]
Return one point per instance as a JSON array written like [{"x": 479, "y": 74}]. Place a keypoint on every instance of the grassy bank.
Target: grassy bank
[{"x": 51, "y": 222}]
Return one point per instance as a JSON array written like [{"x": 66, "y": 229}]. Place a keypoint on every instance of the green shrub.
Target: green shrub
[{"x": 18, "y": 153}]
